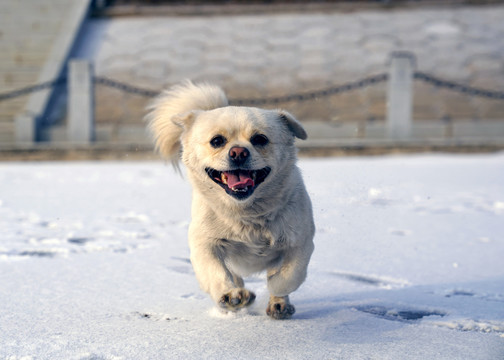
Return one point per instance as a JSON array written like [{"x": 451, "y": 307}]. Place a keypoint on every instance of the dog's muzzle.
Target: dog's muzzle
[{"x": 239, "y": 183}]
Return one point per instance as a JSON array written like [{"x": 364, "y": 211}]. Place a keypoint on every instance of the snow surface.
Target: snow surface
[{"x": 408, "y": 265}]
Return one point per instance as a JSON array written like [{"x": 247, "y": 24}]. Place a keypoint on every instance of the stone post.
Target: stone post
[
  {"x": 25, "y": 126},
  {"x": 80, "y": 127},
  {"x": 400, "y": 96}
]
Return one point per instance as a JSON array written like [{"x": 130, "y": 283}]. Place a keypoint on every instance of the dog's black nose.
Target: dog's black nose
[{"x": 238, "y": 155}]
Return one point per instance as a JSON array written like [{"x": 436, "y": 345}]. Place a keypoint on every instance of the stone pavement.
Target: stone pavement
[{"x": 276, "y": 54}]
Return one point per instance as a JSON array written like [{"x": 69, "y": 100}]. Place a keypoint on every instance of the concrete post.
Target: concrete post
[
  {"x": 80, "y": 127},
  {"x": 25, "y": 128},
  {"x": 400, "y": 96}
]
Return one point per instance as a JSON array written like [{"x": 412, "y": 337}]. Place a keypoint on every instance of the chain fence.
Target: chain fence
[
  {"x": 296, "y": 97},
  {"x": 31, "y": 89},
  {"x": 305, "y": 96},
  {"x": 312, "y": 95},
  {"x": 457, "y": 87},
  {"x": 127, "y": 88}
]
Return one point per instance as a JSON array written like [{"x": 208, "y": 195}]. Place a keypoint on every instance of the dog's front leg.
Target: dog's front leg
[
  {"x": 214, "y": 277},
  {"x": 286, "y": 278},
  {"x": 279, "y": 307}
]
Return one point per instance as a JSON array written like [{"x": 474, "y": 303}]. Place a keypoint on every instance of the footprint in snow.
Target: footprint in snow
[
  {"x": 32, "y": 253},
  {"x": 481, "y": 326},
  {"x": 400, "y": 232},
  {"x": 133, "y": 218},
  {"x": 79, "y": 240},
  {"x": 397, "y": 313},
  {"x": 153, "y": 316},
  {"x": 181, "y": 269},
  {"x": 494, "y": 297},
  {"x": 193, "y": 296},
  {"x": 185, "y": 268},
  {"x": 459, "y": 292},
  {"x": 378, "y": 281},
  {"x": 181, "y": 259}
]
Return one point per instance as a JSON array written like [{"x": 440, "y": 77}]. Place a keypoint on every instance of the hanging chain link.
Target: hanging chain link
[
  {"x": 127, "y": 88},
  {"x": 296, "y": 97},
  {"x": 299, "y": 97},
  {"x": 31, "y": 89},
  {"x": 460, "y": 88}
]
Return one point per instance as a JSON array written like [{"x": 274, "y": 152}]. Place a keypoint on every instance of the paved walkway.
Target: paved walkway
[{"x": 273, "y": 54}]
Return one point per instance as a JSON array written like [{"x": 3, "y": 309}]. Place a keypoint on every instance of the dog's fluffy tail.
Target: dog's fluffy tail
[{"x": 170, "y": 105}]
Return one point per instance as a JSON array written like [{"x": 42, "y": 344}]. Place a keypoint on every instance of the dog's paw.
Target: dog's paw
[
  {"x": 236, "y": 299},
  {"x": 280, "y": 308}
]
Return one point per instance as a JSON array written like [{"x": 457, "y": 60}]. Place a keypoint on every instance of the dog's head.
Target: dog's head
[
  {"x": 237, "y": 150},
  {"x": 231, "y": 153}
]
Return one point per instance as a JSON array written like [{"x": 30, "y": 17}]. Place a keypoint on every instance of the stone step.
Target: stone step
[
  {"x": 17, "y": 80},
  {"x": 35, "y": 38},
  {"x": 6, "y": 131}
]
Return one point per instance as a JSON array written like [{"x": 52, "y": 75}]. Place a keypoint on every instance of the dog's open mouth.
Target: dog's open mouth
[{"x": 239, "y": 183}]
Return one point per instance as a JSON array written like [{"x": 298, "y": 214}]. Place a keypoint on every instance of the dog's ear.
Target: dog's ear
[
  {"x": 167, "y": 134},
  {"x": 185, "y": 120},
  {"x": 171, "y": 113},
  {"x": 293, "y": 124}
]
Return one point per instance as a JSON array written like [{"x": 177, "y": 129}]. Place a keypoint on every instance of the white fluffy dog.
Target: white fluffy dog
[{"x": 250, "y": 209}]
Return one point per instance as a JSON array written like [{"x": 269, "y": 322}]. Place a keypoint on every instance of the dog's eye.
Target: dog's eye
[
  {"x": 259, "y": 140},
  {"x": 218, "y": 141}
]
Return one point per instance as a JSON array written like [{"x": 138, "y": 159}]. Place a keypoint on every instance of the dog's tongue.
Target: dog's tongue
[{"x": 239, "y": 179}]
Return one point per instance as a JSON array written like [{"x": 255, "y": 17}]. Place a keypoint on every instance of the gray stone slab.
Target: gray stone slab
[
  {"x": 37, "y": 103},
  {"x": 484, "y": 129}
]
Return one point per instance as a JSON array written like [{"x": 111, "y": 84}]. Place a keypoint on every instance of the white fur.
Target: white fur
[
  {"x": 176, "y": 101},
  {"x": 270, "y": 230}
]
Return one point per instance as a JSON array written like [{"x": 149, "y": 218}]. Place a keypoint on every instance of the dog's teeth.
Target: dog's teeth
[
  {"x": 240, "y": 190},
  {"x": 224, "y": 178}
]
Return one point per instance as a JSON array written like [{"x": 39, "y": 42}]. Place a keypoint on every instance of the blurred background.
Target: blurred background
[{"x": 327, "y": 62}]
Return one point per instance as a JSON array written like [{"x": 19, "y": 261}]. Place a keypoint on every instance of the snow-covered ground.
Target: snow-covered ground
[{"x": 409, "y": 264}]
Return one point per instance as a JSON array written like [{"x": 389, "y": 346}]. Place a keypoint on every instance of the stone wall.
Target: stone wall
[{"x": 278, "y": 54}]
